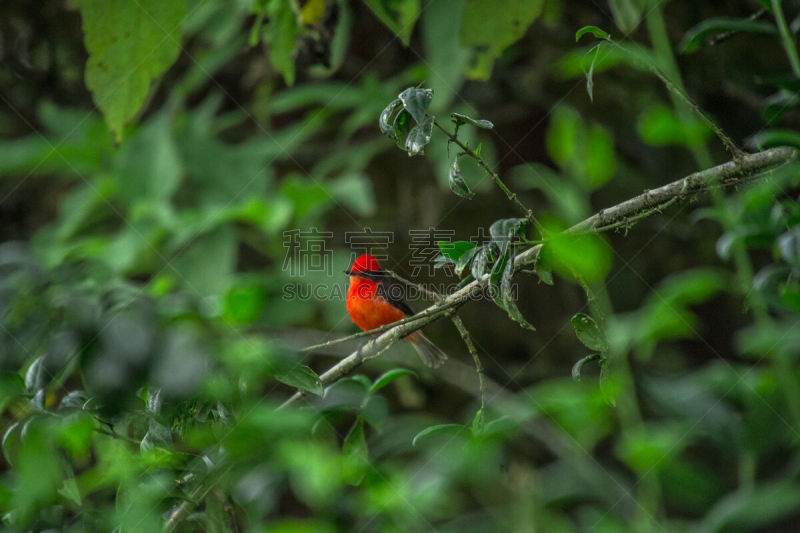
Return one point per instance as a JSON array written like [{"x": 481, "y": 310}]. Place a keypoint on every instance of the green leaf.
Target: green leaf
[
  {"x": 590, "y": 76},
  {"x": 583, "y": 257},
  {"x": 589, "y": 332},
  {"x": 10, "y": 442},
  {"x": 419, "y": 137},
  {"x": 790, "y": 295},
  {"x": 301, "y": 377},
  {"x": 702, "y": 32},
  {"x": 480, "y": 262},
  {"x": 457, "y": 183},
  {"x": 594, "y": 30},
  {"x": 491, "y": 27},
  {"x": 282, "y": 33},
  {"x": 543, "y": 266},
  {"x": 387, "y": 118},
  {"x": 455, "y": 249},
  {"x": 774, "y": 137},
  {"x": 197, "y": 273},
  {"x": 445, "y": 57},
  {"x": 216, "y": 519},
  {"x": 35, "y": 377},
  {"x": 788, "y": 244},
  {"x": 627, "y": 13},
  {"x": 576, "y": 368},
  {"x": 416, "y": 102},
  {"x": 130, "y": 44},
  {"x": 660, "y": 126},
  {"x": 402, "y": 127},
  {"x": 148, "y": 163},
  {"x": 355, "y": 443},
  {"x": 754, "y": 509},
  {"x": 459, "y": 119},
  {"x": 504, "y": 230},
  {"x": 465, "y": 259},
  {"x": 389, "y": 376},
  {"x": 398, "y": 15},
  {"x": 564, "y": 137},
  {"x": 778, "y": 104},
  {"x": 600, "y": 162},
  {"x": 477, "y": 422},
  {"x": 506, "y": 300},
  {"x": 439, "y": 430},
  {"x": 69, "y": 490}
]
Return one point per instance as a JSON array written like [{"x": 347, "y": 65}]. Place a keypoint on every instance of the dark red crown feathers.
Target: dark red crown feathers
[{"x": 365, "y": 263}]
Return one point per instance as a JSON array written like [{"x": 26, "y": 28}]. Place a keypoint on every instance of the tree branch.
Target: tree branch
[{"x": 727, "y": 174}]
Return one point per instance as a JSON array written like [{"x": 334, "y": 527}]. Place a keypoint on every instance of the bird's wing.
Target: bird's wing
[{"x": 389, "y": 289}]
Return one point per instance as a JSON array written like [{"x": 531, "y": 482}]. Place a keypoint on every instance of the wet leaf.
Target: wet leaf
[
  {"x": 478, "y": 123},
  {"x": 419, "y": 137},
  {"x": 457, "y": 183},
  {"x": 589, "y": 332},
  {"x": 416, "y": 102}
]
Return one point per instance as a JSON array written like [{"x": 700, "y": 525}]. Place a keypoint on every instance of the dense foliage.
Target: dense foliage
[{"x": 172, "y": 169}]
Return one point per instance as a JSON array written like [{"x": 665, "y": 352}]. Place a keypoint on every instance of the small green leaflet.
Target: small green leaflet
[
  {"x": 460, "y": 119},
  {"x": 589, "y": 332},
  {"x": 594, "y": 30},
  {"x": 457, "y": 183},
  {"x": 389, "y": 376}
]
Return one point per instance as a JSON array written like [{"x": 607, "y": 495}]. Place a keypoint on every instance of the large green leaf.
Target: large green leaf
[
  {"x": 491, "y": 27},
  {"x": 301, "y": 377},
  {"x": 281, "y": 36},
  {"x": 399, "y": 15},
  {"x": 149, "y": 163},
  {"x": 130, "y": 44},
  {"x": 455, "y": 249},
  {"x": 589, "y": 333}
]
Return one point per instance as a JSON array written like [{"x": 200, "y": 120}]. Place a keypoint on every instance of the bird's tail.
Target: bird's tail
[{"x": 430, "y": 354}]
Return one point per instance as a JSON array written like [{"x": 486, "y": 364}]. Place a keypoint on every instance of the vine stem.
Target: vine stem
[
  {"x": 462, "y": 330},
  {"x": 511, "y": 195}
]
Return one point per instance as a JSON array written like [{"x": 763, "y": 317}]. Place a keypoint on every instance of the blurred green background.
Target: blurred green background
[{"x": 146, "y": 336}]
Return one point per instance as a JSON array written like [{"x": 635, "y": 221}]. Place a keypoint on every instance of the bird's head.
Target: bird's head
[{"x": 365, "y": 264}]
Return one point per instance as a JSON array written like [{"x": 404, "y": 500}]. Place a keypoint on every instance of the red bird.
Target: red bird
[{"x": 373, "y": 300}]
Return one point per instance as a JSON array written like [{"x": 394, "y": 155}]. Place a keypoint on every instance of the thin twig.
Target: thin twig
[
  {"x": 462, "y": 330},
  {"x": 452, "y": 137},
  {"x": 433, "y": 295}
]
